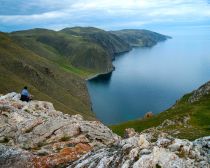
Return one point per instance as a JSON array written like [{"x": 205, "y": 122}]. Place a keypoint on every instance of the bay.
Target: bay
[{"x": 152, "y": 79}]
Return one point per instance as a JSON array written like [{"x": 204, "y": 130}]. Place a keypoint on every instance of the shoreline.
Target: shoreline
[
  {"x": 110, "y": 71},
  {"x": 99, "y": 74}
]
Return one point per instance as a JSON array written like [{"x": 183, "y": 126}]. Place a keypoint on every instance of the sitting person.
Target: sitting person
[{"x": 25, "y": 96}]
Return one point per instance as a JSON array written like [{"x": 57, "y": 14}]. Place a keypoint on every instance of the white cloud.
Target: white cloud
[
  {"x": 31, "y": 18},
  {"x": 139, "y": 12}
]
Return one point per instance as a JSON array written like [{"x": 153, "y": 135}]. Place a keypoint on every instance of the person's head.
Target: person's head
[{"x": 25, "y": 87}]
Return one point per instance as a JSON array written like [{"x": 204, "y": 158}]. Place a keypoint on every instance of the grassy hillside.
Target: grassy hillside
[
  {"x": 46, "y": 80},
  {"x": 65, "y": 49},
  {"x": 140, "y": 38},
  {"x": 198, "y": 113},
  {"x": 111, "y": 43}
]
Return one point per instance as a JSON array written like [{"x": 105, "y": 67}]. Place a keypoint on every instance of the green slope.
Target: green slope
[
  {"x": 65, "y": 49},
  {"x": 46, "y": 80},
  {"x": 197, "y": 126},
  {"x": 111, "y": 43}
]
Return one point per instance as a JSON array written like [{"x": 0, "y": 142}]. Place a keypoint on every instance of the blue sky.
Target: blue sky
[{"x": 106, "y": 14}]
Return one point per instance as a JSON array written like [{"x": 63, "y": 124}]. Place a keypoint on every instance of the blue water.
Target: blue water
[{"x": 152, "y": 79}]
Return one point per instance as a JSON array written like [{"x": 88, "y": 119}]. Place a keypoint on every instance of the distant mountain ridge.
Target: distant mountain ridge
[
  {"x": 140, "y": 38},
  {"x": 54, "y": 64},
  {"x": 93, "y": 41}
]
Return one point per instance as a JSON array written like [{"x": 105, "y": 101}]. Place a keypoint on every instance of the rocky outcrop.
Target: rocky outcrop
[
  {"x": 50, "y": 137},
  {"x": 34, "y": 134},
  {"x": 178, "y": 121},
  {"x": 200, "y": 92}
]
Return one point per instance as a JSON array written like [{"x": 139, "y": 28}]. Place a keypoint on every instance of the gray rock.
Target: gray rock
[
  {"x": 145, "y": 151},
  {"x": 14, "y": 158},
  {"x": 165, "y": 152}
]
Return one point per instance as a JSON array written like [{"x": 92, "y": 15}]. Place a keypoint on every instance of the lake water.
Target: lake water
[{"x": 152, "y": 79}]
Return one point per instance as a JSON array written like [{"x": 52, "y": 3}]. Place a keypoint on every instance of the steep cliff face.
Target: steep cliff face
[{"x": 34, "y": 134}]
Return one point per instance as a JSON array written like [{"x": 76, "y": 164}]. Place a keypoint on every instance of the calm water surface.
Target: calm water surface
[{"x": 152, "y": 79}]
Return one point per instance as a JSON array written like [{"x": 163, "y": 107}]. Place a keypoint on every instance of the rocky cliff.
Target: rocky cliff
[{"x": 34, "y": 134}]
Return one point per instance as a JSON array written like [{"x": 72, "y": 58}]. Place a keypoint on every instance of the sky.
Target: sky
[{"x": 105, "y": 14}]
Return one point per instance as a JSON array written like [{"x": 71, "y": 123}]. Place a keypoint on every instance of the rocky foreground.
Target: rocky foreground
[{"x": 34, "y": 134}]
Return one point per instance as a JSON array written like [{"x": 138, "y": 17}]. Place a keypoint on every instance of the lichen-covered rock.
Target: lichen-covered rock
[
  {"x": 65, "y": 156},
  {"x": 49, "y": 136}
]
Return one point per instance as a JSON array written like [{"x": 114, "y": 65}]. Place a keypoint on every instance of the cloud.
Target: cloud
[{"x": 101, "y": 13}]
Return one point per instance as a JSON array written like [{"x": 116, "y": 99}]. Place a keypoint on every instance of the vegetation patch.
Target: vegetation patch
[{"x": 197, "y": 126}]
